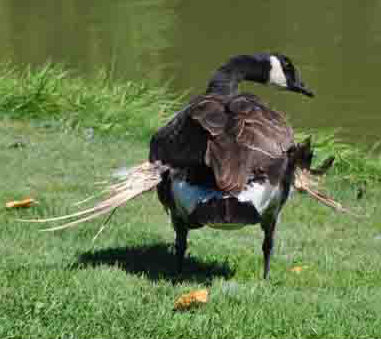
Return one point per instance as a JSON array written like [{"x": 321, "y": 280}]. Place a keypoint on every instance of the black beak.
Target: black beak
[
  {"x": 300, "y": 88},
  {"x": 297, "y": 85}
]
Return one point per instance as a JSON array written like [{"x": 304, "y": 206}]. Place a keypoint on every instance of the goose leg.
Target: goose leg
[
  {"x": 181, "y": 232},
  {"x": 267, "y": 246}
]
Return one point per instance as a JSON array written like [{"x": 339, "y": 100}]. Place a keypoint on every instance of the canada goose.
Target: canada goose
[{"x": 230, "y": 159}]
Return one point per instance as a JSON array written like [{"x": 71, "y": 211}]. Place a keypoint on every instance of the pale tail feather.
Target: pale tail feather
[
  {"x": 140, "y": 179},
  {"x": 304, "y": 183}
]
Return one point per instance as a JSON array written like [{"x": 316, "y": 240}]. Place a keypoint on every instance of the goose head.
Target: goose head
[
  {"x": 284, "y": 74},
  {"x": 265, "y": 68}
]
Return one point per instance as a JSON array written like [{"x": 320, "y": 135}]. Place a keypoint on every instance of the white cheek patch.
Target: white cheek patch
[{"x": 277, "y": 76}]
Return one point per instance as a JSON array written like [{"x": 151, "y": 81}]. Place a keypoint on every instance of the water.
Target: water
[{"x": 337, "y": 45}]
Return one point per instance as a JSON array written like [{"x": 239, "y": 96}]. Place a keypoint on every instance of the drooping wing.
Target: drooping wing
[
  {"x": 252, "y": 140},
  {"x": 182, "y": 142},
  {"x": 235, "y": 136}
]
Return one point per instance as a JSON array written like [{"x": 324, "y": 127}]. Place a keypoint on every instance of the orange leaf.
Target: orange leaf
[
  {"x": 297, "y": 269},
  {"x": 195, "y": 298},
  {"x": 27, "y": 202}
]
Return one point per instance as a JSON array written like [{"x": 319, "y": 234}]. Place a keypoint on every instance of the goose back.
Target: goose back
[{"x": 234, "y": 137}]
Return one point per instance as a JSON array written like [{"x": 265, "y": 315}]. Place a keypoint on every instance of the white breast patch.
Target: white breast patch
[
  {"x": 261, "y": 195},
  {"x": 277, "y": 76}
]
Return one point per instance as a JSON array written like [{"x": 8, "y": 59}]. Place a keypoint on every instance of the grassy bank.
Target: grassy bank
[
  {"x": 55, "y": 95},
  {"x": 63, "y": 284}
]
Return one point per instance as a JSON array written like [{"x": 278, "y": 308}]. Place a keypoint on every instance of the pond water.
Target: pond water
[{"x": 336, "y": 44}]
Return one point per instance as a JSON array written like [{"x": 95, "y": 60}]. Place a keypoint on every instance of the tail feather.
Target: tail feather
[{"x": 140, "y": 179}]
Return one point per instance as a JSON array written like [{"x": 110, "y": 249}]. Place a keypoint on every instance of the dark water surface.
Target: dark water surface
[{"x": 337, "y": 45}]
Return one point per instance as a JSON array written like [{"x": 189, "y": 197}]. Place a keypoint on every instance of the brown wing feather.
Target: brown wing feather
[
  {"x": 180, "y": 143},
  {"x": 234, "y": 136},
  {"x": 211, "y": 116},
  {"x": 262, "y": 130},
  {"x": 243, "y": 138},
  {"x": 228, "y": 161}
]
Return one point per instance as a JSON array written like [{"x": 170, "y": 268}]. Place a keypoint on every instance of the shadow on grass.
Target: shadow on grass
[{"x": 156, "y": 262}]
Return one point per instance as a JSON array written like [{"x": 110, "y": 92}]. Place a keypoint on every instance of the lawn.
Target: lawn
[
  {"x": 62, "y": 136},
  {"x": 123, "y": 284}
]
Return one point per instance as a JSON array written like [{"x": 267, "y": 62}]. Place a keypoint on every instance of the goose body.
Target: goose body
[
  {"x": 225, "y": 211},
  {"x": 230, "y": 158}
]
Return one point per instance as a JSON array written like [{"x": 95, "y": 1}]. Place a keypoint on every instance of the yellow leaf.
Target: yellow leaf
[
  {"x": 27, "y": 202},
  {"x": 194, "y": 298},
  {"x": 297, "y": 269}
]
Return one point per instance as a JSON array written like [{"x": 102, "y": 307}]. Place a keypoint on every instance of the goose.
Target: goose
[{"x": 229, "y": 159}]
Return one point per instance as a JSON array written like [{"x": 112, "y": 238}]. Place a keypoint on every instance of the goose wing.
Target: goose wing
[
  {"x": 180, "y": 143},
  {"x": 235, "y": 136},
  {"x": 254, "y": 141}
]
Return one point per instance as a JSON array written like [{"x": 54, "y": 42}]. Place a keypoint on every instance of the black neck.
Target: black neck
[{"x": 242, "y": 67}]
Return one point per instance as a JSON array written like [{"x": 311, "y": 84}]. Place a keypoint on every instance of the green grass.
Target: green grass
[
  {"x": 353, "y": 162},
  {"x": 57, "y": 96},
  {"x": 123, "y": 285}
]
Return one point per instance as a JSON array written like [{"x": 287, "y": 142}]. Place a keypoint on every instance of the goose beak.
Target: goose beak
[{"x": 300, "y": 88}]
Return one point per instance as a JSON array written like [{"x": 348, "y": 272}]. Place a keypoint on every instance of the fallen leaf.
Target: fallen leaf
[
  {"x": 27, "y": 202},
  {"x": 297, "y": 269},
  {"x": 194, "y": 298}
]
